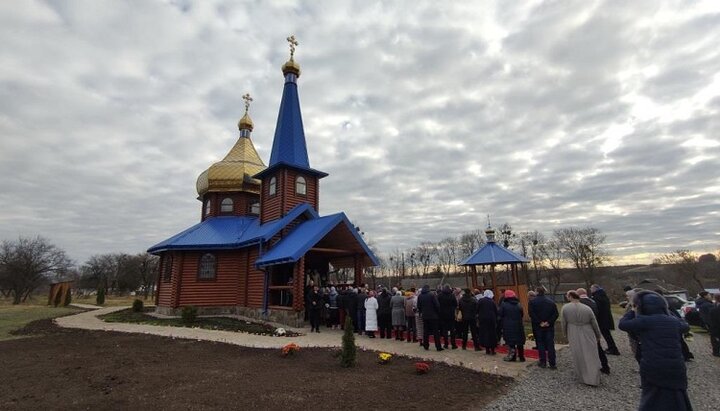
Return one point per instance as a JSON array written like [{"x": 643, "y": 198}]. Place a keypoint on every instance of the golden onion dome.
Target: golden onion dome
[
  {"x": 291, "y": 66},
  {"x": 235, "y": 171},
  {"x": 245, "y": 122}
]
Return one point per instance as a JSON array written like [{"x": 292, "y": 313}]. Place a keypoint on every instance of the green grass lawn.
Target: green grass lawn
[{"x": 14, "y": 317}]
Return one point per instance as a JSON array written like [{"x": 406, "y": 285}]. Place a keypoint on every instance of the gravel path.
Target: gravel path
[{"x": 544, "y": 389}]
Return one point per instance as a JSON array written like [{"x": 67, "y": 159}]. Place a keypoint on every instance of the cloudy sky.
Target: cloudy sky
[{"x": 543, "y": 114}]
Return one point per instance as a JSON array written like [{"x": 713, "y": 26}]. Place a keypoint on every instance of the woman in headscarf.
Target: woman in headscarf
[
  {"x": 511, "y": 317},
  {"x": 419, "y": 324},
  {"x": 487, "y": 322},
  {"x": 410, "y": 315},
  {"x": 371, "y": 307},
  {"x": 397, "y": 306},
  {"x": 663, "y": 376},
  {"x": 583, "y": 334}
]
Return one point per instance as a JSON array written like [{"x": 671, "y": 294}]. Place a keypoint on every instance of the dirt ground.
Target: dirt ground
[{"x": 76, "y": 369}]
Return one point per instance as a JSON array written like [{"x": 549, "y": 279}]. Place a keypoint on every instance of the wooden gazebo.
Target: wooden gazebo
[{"x": 496, "y": 268}]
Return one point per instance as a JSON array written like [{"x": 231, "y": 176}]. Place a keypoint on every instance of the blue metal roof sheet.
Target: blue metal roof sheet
[
  {"x": 305, "y": 236},
  {"x": 230, "y": 232},
  {"x": 494, "y": 253}
]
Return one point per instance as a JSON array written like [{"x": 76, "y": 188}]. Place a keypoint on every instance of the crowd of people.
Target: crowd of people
[{"x": 446, "y": 315}]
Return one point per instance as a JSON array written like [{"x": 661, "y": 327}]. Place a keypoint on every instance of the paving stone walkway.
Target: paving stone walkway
[{"x": 327, "y": 338}]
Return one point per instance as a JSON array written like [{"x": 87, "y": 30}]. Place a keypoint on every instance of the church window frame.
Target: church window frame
[
  {"x": 207, "y": 267},
  {"x": 272, "y": 186},
  {"x": 255, "y": 208},
  {"x": 208, "y": 207},
  {"x": 227, "y": 205},
  {"x": 167, "y": 268},
  {"x": 301, "y": 186}
]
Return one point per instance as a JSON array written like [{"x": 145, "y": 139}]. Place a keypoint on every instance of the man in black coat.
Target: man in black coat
[
  {"x": 429, "y": 309},
  {"x": 350, "y": 305},
  {"x": 360, "y": 301},
  {"x": 384, "y": 313},
  {"x": 604, "y": 317},
  {"x": 584, "y": 299},
  {"x": 714, "y": 318},
  {"x": 448, "y": 305},
  {"x": 704, "y": 305},
  {"x": 543, "y": 314}
]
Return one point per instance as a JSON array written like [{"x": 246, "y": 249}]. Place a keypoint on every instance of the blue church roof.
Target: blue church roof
[
  {"x": 493, "y": 253},
  {"x": 289, "y": 147},
  {"x": 305, "y": 236},
  {"x": 230, "y": 232}
]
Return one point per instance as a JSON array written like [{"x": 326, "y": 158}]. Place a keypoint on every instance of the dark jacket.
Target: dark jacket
[
  {"x": 604, "y": 315},
  {"x": 704, "y": 306},
  {"x": 469, "y": 307},
  {"x": 715, "y": 321},
  {"x": 487, "y": 312},
  {"x": 662, "y": 364},
  {"x": 542, "y": 309},
  {"x": 316, "y": 298},
  {"x": 448, "y": 304},
  {"x": 511, "y": 317},
  {"x": 428, "y": 305},
  {"x": 384, "y": 303},
  {"x": 350, "y": 302},
  {"x": 590, "y": 303},
  {"x": 360, "y": 299}
]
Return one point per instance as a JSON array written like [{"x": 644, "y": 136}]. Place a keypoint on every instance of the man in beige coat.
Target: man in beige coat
[{"x": 583, "y": 334}]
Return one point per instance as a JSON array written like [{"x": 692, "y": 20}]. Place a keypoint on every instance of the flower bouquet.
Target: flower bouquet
[
  {"x": 384, "y": 358},
  {"x": 290, "y": 349},
  {"x": 422, "y": 367}
]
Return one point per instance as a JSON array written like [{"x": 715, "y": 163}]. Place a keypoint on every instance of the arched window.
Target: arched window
[
  {"x": 227, "y": 205},
  {"x": 300, "y": 186},
  {"x": 206, "y": 270},
  {"x": 167, "y": 268},
  {"x": 273, "y": 186},
  {"x": 207, "y": 207},
  {"x": 255, "y": 208}
]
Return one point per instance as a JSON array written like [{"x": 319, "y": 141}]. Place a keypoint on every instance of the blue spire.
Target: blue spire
[
  {"x": 289, "y": 142},
  {"x": 289, "y": 148}
]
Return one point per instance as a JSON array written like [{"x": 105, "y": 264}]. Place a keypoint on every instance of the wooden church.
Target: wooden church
[{"x": 260, "y": 239}]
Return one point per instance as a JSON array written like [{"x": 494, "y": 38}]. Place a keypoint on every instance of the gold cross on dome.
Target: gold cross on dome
[
  {"x": 293, "y": 43},
  {"x": 247, "y": 99}
]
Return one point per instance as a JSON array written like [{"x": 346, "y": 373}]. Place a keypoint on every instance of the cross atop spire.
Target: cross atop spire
[
  {"x": 247, "y": 99},
  {"x": 293, "y": 43}
]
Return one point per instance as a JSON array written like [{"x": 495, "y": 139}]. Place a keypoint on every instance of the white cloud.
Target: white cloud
[{"x": 543, "y": 114}]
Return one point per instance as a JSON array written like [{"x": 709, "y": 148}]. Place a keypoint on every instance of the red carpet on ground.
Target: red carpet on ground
[{"x": 501, "y": 349}]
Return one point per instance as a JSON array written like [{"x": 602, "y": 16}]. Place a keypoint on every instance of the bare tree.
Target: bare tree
[
  {"x": 506, "y": 235},
  {"x": 585, "y": 248},
  {"x": 27, "y": 263},
  {"x": 426, "y": 254},
  {"x": 553, "y": 254},
  {"x": 686, "y": 263},
  {"x": 532, "y": 246},
  {"x": 448, "y": 255},
  {"x": 471, "y": 242}
]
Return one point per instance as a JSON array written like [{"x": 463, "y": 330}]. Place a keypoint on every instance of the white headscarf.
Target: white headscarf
[{"x": 488, "y": 294}]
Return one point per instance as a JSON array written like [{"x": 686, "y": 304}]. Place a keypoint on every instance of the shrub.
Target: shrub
[
  {"x": 137, "y": 306},
  {"x": 348, "y": 355},
  {"x": 189, "y": 314},
  {"x": 100, "y": 299},
  {"x": 68, "y": 299}
]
